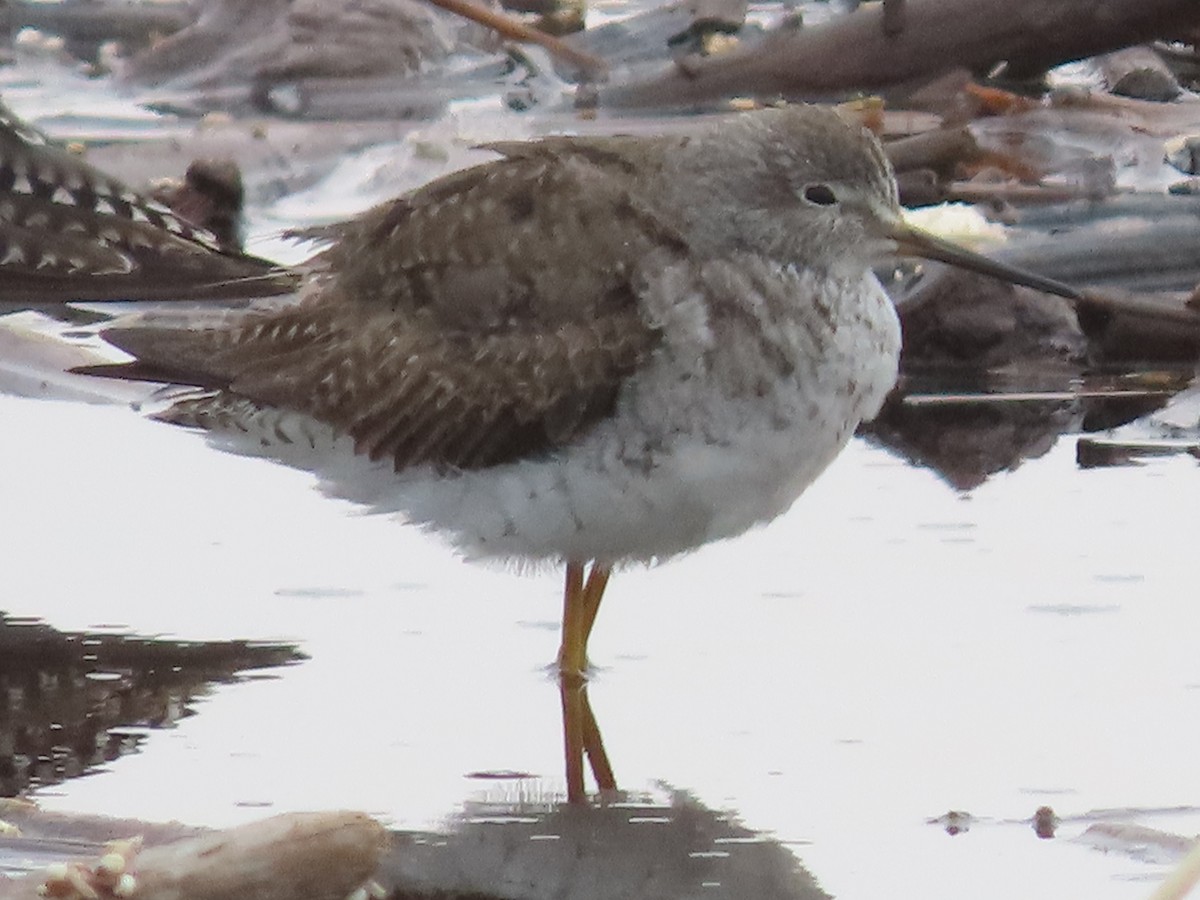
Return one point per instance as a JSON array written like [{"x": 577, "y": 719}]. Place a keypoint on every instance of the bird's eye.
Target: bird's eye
[{"x": 820, "y": 194}]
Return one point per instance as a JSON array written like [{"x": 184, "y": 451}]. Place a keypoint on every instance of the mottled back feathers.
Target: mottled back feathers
[{"x": 486, "y": 317}]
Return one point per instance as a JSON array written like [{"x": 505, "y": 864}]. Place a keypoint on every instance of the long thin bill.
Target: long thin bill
[{"x": 911, "y": 241}]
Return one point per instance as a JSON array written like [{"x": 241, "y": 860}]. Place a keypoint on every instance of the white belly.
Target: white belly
[{"x": 737, "y": 414}]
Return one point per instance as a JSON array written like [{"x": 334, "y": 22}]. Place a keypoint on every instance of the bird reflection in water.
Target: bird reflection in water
[
  {"x": 581, "y": 738},
  {"x": 670, "y": 846},
  {"x": 976, "y": 425}
]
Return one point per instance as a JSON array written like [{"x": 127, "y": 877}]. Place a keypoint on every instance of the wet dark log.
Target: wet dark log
[
  {"x": 227, "y": 41},
  {"x": 540, "y": 7},
  {"x": 962, "y": 319},
  {"x": 1139, "y": 72},
  {"x": 1131, "y": 327},
  {"x": 967, "y": 320},
  {"x": 855, "y": 53}
]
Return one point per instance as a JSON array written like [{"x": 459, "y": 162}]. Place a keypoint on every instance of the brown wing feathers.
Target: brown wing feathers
[
  {"x": 409, "y": 394},
  {"x": 428, "y": 348}
]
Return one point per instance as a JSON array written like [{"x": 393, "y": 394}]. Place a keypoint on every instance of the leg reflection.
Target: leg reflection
[{"x": 581, "y": 736}]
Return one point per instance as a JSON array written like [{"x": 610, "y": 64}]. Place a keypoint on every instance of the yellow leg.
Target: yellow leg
[
  {"x": 572, "y": 654},
  {"x": 581, "y": 735},
  {"x": 593, "y": 593},
  {"x": 581, "y": 602}
]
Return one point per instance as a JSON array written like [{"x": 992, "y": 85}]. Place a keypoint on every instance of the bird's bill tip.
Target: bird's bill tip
[{"x": 913, "y": 241}]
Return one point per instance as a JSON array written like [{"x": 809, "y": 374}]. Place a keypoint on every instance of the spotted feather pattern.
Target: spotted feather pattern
[
  {"x": 68, "y": 231},
  {"x": 427, "y": 347}
]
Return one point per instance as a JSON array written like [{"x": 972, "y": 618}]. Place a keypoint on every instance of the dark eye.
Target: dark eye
[{"x": 820, "y": 194}]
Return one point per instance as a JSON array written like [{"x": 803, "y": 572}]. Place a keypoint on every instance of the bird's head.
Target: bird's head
[{"x": 805, "y": 185}]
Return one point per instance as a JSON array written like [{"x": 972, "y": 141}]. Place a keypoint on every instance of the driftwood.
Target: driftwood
[
  {"x": 940, "y": 150},
  {"x": 1162, "y": 119},
  {"x": 855, "y": 52},
  {"x": 930, "y": 166},
  {"x": 1135, "y": 254},
  {"x": 1079, "y": 214},
  {"x": 297, "y": 856}
]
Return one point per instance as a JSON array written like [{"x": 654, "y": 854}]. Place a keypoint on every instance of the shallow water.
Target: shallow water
[{"x": 885, "y": 653}]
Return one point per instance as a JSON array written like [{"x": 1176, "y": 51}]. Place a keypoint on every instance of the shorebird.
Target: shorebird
[
  {"x": 591, "y": 351},
  {"x": 71, "y": 232}
]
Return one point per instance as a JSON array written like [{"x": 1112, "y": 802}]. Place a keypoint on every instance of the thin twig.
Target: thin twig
[{"x": 516, "y": 30}]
